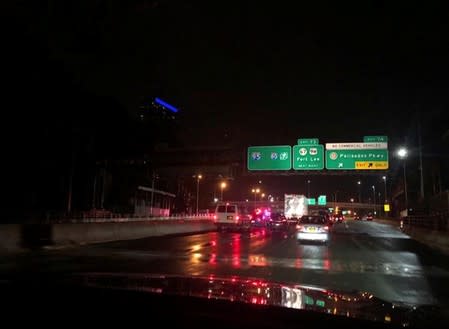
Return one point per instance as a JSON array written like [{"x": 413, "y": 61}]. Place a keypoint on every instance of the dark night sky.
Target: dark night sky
[
  {"x": 258, "y": 73},
  {"x": 264, "y": 62}
]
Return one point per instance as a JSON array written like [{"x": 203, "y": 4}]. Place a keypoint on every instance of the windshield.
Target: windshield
[
  {"x": 313, "y": 220},
  {"x": 195, "y": 139},
  {"x": 229, "y": 209},
  {"x": 221, "y": 209}
]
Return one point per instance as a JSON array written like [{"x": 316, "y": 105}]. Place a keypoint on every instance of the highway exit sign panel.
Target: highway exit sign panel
[
  {"x": 277, "y": 157},
  {"x": 371, "y": 139},
  {"x": 308, "y": 157},
  {"x": 366, "y": 159},
  {"x": 308, "y": 141},
  {"x": 322, "y": 200}
]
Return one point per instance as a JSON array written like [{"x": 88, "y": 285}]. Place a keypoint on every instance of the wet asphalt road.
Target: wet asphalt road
[{"x": 362, "y": 256}]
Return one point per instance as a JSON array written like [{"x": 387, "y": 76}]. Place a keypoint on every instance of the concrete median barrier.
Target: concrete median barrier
[
  {"x": 65, "y": 234},
  {"x": 16, "y": 237},
  {"x": 432, "y": 238},
  {"x": 435, "y": 239}
]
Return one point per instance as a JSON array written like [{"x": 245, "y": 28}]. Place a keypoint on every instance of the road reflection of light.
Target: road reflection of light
[
  {"x": 236, "y": 251},
  {"x": 196, "y": 257},
  {"x": 196, "y": 247},
  {"x": 259, "y": 233},
  {"x": 326, "y": 261},
  {"x": 257, "y": 260}
]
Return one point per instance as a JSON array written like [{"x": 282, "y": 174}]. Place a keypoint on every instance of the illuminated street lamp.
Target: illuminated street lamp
[
  {"x": 222, "y": 186},
  {"x": 198, "y": 178},
  {"x": 402, "y": 154},
  {"x": 255, "y": 191}
]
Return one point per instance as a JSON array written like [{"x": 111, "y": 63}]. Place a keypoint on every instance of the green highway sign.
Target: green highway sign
[
  {"x": 367, "y": 159},
  {"x": 308, "y": 141},
  {"x": 322, "y": 200},
  {"x": 311, "y": 201},
  {"x": 308, "y": 300},
  {"x": 320, "y": 303},
  {"x": 308, "y": 157},
  {"x": 276, "y": 157},
  {"x": 373, "y": 139}
]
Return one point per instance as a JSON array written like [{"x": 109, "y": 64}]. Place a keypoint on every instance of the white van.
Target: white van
[{"x": 231, "y": 216}]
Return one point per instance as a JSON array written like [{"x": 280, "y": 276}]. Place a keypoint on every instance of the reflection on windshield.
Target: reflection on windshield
[{"x": 256, "y": 291}]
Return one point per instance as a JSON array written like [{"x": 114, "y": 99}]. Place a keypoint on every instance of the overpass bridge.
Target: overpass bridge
[{"x": 279, "y": 205}]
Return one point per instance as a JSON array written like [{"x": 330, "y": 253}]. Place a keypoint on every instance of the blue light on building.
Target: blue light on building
[{"x": 166, "y": 105}]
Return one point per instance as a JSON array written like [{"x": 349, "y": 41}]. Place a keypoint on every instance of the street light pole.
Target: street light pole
[
  {"x": 198, "y": 177},
  {"x": 405, "y": 187},
  {"x": 222, "y": 186},
  {"x": 385, "y": 185},
  {"x": 374, "y": 199},
  {"x": 255, "y": 191},
  {"x": 335, "y": 201},
  {"x": 402, "y": 153},
  {"x": 308, "y": 189}
]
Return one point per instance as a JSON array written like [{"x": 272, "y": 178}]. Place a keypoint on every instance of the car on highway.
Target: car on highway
[
  {"x": 357, "y": 217},
  {"x": 231, "y": 216},
  {"x": 369, "y": 217},
  {"x": 260, "y": 217},
  {"x": 338, "y": 218},
  {"x": 312, "y": 228},
  {"x": 278, "y": 221}
]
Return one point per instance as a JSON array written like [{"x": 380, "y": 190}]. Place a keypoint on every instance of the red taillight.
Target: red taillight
[
  {"x": 237, "y": 217},
  {"x": 215, "y": 216},
  {"x": 326, "y": 228},
  {"x": 299, "y": 227}
]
